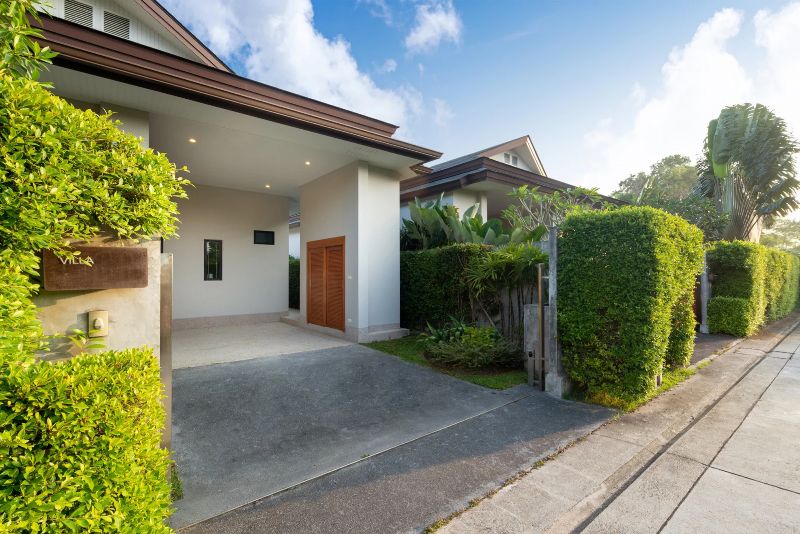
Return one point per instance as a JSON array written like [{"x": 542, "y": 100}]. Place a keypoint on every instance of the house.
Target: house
[
  {"x": 483, "y": 177},
  {"x": 257, "y": 154}
]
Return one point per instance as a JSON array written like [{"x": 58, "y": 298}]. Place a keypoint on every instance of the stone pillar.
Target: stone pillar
[
  {"x": 165, "y": 355},
  {"x": 705, "y": 294},
  {"x": 556, "y": 381}
]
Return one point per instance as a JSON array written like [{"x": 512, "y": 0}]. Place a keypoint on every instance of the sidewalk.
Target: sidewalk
[{"x": 717, "y": 453}]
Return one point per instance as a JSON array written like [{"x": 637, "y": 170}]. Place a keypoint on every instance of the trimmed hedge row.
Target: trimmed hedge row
[
  {"x": 752, "y": 284},
  {"x": 625, "y": 291},
  {"x": 294, "y": 282},
  {"x": 80, "y": 445},
  {"x": 432, "y": 286}
]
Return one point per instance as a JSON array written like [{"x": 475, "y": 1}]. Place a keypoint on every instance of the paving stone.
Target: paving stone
[{"x": 724, "y": 503}]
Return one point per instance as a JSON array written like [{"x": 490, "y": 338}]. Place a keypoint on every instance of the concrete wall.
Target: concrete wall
[
  {"x": 383, "y": 241},
  {"x": 133, "y": 314},
  {"x": 254, "y": 277},
  {"x": 358, "y": 202}
]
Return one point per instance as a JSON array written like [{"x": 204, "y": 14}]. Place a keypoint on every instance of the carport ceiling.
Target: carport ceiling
[{"x": 232, "y": 149}]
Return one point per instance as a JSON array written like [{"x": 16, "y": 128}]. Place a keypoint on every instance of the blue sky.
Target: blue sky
[{"x": 604, "y": 88}]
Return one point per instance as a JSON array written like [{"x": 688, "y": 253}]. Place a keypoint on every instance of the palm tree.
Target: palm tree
[{"x": 749, "y": 168}]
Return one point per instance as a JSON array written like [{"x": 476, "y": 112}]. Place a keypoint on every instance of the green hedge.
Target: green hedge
[
  {"x": 294, "y": 282},
  {"x": 763, "y": 282},
  {"x": 432, "y": 286},
  {"x": 80, "y": 445},
  {"x": 625, "y": 283}
]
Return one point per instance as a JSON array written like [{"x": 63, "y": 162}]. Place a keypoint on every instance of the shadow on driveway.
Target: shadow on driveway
[{"x": 247, "y": 430}]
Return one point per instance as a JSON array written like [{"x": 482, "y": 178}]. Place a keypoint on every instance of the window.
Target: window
[
  {"x": 212, "y": 259},
  {"x": 116, "y": 25},
  {"x": 263, "y": 237},
  {"x": 78, "y": 12},
  {"x": 510, "y": 159}
]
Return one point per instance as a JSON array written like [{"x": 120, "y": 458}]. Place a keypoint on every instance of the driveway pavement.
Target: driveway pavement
[{"x": 360, "y": 440}]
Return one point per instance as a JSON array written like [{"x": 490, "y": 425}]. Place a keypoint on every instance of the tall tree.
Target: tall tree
[
  {"x": 671, "y": 178},
  {"x": 749, "y": 168},
  {"x": 783, "y": 234}
]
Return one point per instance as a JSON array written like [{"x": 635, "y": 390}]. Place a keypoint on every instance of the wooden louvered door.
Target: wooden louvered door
[{"x": 325, "y": 282}]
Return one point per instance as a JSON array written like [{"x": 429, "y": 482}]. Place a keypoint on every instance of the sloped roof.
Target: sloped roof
[
  {"x": 181, "y": 33},
  {"x": 519, "y": 142}
]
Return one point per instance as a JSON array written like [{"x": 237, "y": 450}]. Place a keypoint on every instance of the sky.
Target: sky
[{"x": 605, "y": 89}]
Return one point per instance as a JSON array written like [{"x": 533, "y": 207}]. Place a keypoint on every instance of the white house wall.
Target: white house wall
[
  {"x": 520, "y": 160},
  {"x": 358, "y": 202},
  {"x": 254, "y": 277},
  {"x": 146, "y": 33},
  {"x": 383, "y": 210}
]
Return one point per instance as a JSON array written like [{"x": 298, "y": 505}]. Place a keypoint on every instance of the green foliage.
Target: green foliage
[
  {"x": 470, "y": 347},
  {"x": 749, "y": 168},
  {"x": 80, "y": 445},
  {"x": 535, "y": 211},
  {"x": 731, "y": 315},
  {"x": 699, "y": 211},
  {"x": 501, "y": 282},
  {"x": 625, "y": 277},
  {"x": 761, "y": 285},
  {"x": 411, "y": 349},
  {"x": 671, "y": 179},
  {"x": 432, "y": 285},
  {"x": 79, "y": 439},
  {"x": 67, "y": 175},
  {"x": 783, "y": 234},
  {"x": 20, "y": 54},
  {"x": 434, "y": 224},
  {"x": 294, "y": 282}
]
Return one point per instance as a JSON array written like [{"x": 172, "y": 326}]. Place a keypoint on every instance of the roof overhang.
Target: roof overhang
[
  {"x": 97, "y": 53},
  {"x": 475, "y": 171}
]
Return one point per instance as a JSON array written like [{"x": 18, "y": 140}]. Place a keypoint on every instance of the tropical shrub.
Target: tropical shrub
[
  {"x": 80, "y": 445},
  {"x": 624, "y": 279},
  {"x": 432, "y": 285},
  {"x": 434, "y": 224},
  {"x": 79, "y": 439},
  {"x": 294, "y": 282},
  {"x": 535, "y": 210},
  {"x": 470, "y": 347},
  {"x": 501, "y": 283},
  {"x": 764, "y": 280}
]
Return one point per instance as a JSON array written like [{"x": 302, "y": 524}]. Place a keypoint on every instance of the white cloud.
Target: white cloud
[
  {"x": 697, "y": 81},
  {"x": 390, "y": 65},
  {"x": 435, "y": 22},
  {"x": 380, "y": 9},
  {"x": 277, "y": 43},
  {"x": 442, "y": 112}
]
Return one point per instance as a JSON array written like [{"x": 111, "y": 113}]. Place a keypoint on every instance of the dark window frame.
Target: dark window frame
[
  {"x": 269, "y": 233},
  {"x": 205, "y": 260}
]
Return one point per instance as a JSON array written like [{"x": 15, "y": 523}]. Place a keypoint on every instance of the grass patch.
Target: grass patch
[
  {"x": 670, "y": 379},
  {"x": 410, "y": 349},
  {"x": 175, "y": 486}
]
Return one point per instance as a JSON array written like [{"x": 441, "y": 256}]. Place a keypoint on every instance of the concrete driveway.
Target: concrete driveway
[{"x": 246, "y": 430}]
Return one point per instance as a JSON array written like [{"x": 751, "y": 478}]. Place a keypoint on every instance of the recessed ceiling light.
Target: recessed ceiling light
[
  {"x": 192, "y": 140},
  {"x": 267, "y": 186},
  {"x": 308, "y": 163}
]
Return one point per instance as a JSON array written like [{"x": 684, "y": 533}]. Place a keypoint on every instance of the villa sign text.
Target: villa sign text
[{"x": 107, "y": 268}]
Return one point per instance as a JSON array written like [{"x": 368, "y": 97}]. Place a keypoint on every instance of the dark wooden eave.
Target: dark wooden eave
[
  {"x": 98, "y": 53},
  {"x": 182, "y": 34},
  {"x": 474, "y": 171}
]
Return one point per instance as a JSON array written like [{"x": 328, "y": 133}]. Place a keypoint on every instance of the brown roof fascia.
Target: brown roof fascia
[
  {"x": 99, "y": 53},
  {"x": 182, "y": 33},
  {"x": 475, "y": 171}
]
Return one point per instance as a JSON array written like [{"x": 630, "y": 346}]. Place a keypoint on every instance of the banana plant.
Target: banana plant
[
  {"x": 749, "y": 168},
  {"x": 434, "y": 224}
]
